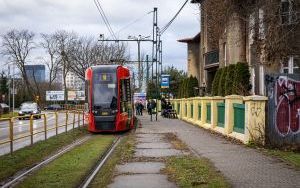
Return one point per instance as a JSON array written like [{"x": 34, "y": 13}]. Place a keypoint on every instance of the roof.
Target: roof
[
  {"x": 194, "y": 39},
  {"x": 196, "y": 1}
]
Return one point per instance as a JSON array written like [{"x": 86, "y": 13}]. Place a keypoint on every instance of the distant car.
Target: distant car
[
  {"x": 53, "y": 107},
  {"x": 4, "y": 108},
  {"x": 29, "y": 108}
]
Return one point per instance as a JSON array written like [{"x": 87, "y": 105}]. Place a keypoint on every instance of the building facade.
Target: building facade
[
  {"x": 35, "y": 72},
  {"x": 232, "y": 33},
  {"x": 193, "y": 53},
  {"x": 73, "y": 82}
]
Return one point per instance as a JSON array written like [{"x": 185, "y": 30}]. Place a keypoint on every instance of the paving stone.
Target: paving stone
[
  {"x": 140, "y": 168},
  {"x": 242, "y": 166},
  {"x": 142, "y": 180},
  {"x": 149, "y": 139},
  {"x": 157, "y": 152},
  {"x": 157, "y": 145},
  {"x": 149, "y": 135}
]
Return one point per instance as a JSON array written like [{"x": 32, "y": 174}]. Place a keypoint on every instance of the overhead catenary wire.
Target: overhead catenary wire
[
  {"x": 134, "y": 21},
  {"x": 163, "y": 29},
  {"x": 101, "y": 11}
]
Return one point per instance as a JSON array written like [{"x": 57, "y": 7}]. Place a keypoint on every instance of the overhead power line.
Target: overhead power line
[
  {"x": 101, "y": 11},
  {"x": 174, "y": 17},
  {"x": 134, "y": 21}
]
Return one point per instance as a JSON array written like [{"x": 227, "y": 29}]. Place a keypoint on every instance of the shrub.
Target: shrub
[
  {"x": 241, "y": 83},
  {"x": 229, "y": 79},
  {"x": 193, "y": 82},
  {"x": 215, "y": 84},
  {"x": 221, "y": 88}
]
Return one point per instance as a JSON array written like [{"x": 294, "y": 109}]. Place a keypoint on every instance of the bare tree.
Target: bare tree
[
  {"x": 65, "y": 42},
  {"x": 88, "y": 52},
  {"x": 52, "y": 62},
  {"x": 17, "y": 45},
  {"x": 84, "y": 55}
]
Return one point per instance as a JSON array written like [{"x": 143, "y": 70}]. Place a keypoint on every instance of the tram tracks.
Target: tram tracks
[
  {"x": 17, "y": 178},
  {"x": 88, "y": 180}
]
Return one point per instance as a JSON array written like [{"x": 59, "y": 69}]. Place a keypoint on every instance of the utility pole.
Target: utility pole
[
  {"x": 138, "y": 39},
  {"x": 154, "y": 55},
  {"x": 9, "y": 88},
  {"x": 13, "y": 85},
  {"x": 147, "y": 70}
]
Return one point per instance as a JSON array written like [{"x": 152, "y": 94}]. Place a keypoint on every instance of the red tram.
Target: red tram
[{"x": 109, "y": 98}]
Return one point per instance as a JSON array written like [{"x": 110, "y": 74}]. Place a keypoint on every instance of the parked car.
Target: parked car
[
  {"x": 53, "y": 107},
  {"x": 4, "y": 108},
  {"x": 29, "y": 108}
]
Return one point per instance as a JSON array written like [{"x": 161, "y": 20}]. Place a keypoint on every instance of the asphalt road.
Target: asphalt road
[{"x": 22, "y": 127}]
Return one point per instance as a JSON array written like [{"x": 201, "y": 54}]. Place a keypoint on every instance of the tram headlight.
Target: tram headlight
[{"x": 114, "y": 111}]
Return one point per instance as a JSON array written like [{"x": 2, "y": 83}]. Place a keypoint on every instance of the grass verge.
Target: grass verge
[
  {"x": 290, "y": 157},
  {"x": 9, "y": 115},
  {"x": 28, "y": 156},
  {"x": 190, "y": 171},
  {"x": 70, "y": 169},
  {"x": 123, "y": 153}
]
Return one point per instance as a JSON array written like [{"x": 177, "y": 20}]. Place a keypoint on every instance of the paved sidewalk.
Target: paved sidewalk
[{"x": 242, "y": 166}]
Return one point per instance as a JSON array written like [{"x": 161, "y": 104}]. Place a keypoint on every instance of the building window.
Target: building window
[
  {"x": 291, "y": 65},
  {"x": 288, "y": 16}
]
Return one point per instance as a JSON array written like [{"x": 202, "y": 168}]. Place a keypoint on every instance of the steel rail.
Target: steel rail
[
  {"x": 102, "y": 161},
  {"x": 53, "y": 157}
]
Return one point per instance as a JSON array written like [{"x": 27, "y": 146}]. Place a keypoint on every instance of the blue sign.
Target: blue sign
[{"x": 165, "y": 81}]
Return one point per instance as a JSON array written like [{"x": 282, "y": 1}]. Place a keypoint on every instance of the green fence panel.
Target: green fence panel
[
  {"x": 199, "y": 111},
  {"x": 178, "y": 108},
  {"x": 221, "y": 114},
  {"x": 239, "y": 118},
  {"x": 208, "y": 113},
  {"x": 185, "y": 107},
  {"x": 192, "y": 110}
]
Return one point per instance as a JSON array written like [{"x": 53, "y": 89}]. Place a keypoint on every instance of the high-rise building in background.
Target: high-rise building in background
[
  {"x": 35, "y": 72},
  {"x": 73, "y": 82}
]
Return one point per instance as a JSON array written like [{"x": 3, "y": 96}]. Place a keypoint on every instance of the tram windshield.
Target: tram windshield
[{"x": 105, "y": 90}]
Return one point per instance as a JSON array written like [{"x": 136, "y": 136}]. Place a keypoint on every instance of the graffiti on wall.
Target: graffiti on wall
[
  {"x": 287, "y": 101},
  {"x": 283, "y": 109}
]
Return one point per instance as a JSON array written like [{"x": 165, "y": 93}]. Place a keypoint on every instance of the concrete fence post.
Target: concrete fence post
[{"x": 255, "y": 119}]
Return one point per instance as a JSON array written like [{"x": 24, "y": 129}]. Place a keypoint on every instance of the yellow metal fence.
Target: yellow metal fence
[{"x": 71, "y": 118}]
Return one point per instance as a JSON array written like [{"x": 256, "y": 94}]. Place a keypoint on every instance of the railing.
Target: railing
[
  {"x": 221, "y": 114},
  {"x": 79, "y": 115},
  {"x": 234, "y": 116},
  {"x": 211, "y": 57},
  {"x": 239, "y": 118}
]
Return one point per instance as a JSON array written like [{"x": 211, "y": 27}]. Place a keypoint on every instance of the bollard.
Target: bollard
[
  {"x": 67, "y": 115},
  {"x": 11, "y": 135},
  {"x": 74, "y": 115},
  {"x": 45, "y": 126},
  {"x": 56, "y": 123},
  {"x": 31, "y": 130}
]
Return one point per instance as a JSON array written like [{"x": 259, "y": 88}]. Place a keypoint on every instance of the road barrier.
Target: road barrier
[
  {"x": 235, "y": 116},
  {"x": 45, "y": 129}
]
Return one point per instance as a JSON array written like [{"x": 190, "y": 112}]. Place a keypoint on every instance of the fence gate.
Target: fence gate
[{"x": 283, "y": 109}]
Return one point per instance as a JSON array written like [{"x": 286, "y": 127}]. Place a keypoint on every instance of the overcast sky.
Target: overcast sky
[{"x": 81, "y": 16}]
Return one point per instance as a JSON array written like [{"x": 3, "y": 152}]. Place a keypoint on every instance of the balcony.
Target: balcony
[{"x": 212, "y": 58}]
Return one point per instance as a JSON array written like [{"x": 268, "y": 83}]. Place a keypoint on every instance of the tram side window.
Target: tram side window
[{"x": 125, "y": 94}]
